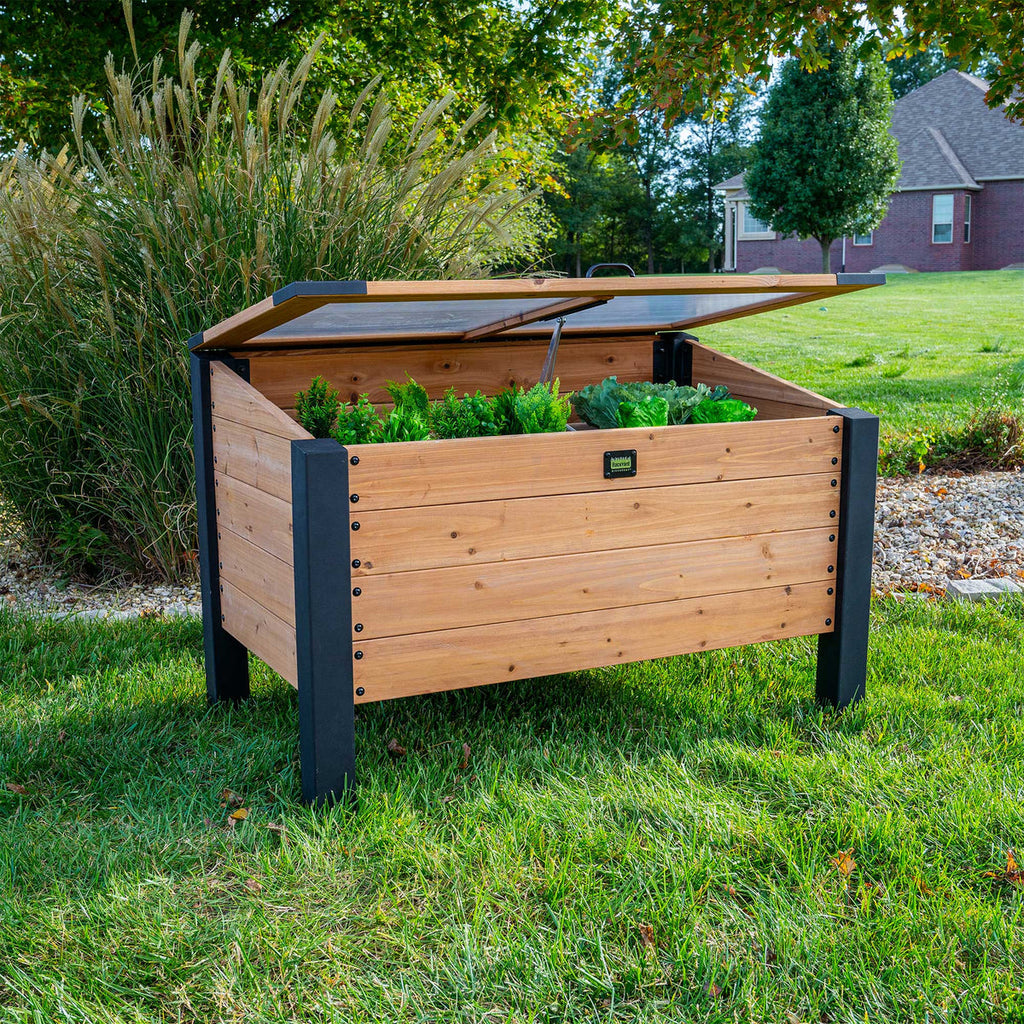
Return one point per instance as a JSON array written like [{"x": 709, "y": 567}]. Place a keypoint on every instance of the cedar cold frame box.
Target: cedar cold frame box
[{"x": 388, "y": 570}]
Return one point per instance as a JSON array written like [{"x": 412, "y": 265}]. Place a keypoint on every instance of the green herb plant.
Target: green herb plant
[
  {"x": 317, "y": 407},
  {"x": 538, "y": 411},
  {"x": 358, "y": 423},
  {"x": 469, "y": 416}
]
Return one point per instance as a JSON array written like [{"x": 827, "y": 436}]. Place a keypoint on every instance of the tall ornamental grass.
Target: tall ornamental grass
[{"x": 205, "y": 198}]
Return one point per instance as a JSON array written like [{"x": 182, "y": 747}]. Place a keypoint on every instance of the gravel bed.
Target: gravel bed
[{"x": 928, "y": 530}]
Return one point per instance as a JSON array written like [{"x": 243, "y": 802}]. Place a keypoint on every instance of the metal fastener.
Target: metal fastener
[
  {"x": 355, "y": 526},
  {"x": 835, "y": 461},
  {"x": 353, "y": 498},
  {"x": 359, "y": 627},
  {"x": 828, "y": 622},
  {"x": 360, "y": 691},
  {"x": 357, "y": 591},
  {"x": 835, "y": 483},
  {"x": 831, "y": 590},
  {"x": 356, "y": 563},
  {"x": 831, "y": 568},
  {"x": 831, "y": 536},
  {"x": 354, "y": 460},
  {"x": 835, "y": 430},
  {"x": 832, "y": 514},
  {"x": 359, "y": 655}
]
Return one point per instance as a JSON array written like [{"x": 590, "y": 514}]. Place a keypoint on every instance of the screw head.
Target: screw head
[
  {"x": 831, "y": 568},
  {"x": 835, "y": 483},
  {"x": 831, "y": 536},
  {"x": 360, "y": 691},
  {"x": 832, "y": 514},
  {"x": 835, "y": 461},
  {"x": 356, "y": 563},
  {"x": 828, "y": 622},
  {"x": 359, "y": 655},
  {"x": 354, "y": 460},
  {"x": 357, "y": 591},
  {"x": 830, "y": 591},
  {"x": 359, "y": 627},
  {"x": 353, "y": 498},
  {"x": 835, "y": 430},
  {"x": 355, "y": 526}
]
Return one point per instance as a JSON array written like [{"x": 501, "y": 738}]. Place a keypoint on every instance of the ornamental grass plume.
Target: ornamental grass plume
[{"x": 204, "y": 197}]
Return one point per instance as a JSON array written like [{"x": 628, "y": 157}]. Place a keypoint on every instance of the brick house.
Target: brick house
[{"x": 959, "y": 204}]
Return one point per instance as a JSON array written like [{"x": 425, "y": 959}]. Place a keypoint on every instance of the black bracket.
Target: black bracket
[{"x": 673, "y": 358}]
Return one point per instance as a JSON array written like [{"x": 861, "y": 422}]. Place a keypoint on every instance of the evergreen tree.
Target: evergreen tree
[{"x": 825, "y": 164}]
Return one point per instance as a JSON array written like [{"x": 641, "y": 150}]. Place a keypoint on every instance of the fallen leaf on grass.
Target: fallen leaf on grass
[
  {"x": 240, "y": 814},
  {"x": 274, "y": 827},
  {"x": 464, "y": 763},
  {"x": 62, "y": 736},
  {"x": 253, "y": 885},
  {"x": 647, "y": 935},
  {"x": 16, "y": 787},
  {"x": 395, "y": 749},
  {"x": 229, "y": 798},
  {"x": 1013, "y": 873},
  {"x": 844, "y": 863},
  {"x": 713, "y": 990}
]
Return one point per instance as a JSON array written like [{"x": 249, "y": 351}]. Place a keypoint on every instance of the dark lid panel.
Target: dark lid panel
[{"x": 328, "y": 312}]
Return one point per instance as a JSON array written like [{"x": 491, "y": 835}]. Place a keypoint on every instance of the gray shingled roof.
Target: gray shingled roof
[{"x": 947, "y": 137}]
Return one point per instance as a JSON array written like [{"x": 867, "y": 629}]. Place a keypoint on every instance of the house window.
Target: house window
[
  {"x": 864, "y": 239},
  {"x": 967, "y": 217},
  {"x": 942, "y": 219},
  {"x": 751, "y": 227}
]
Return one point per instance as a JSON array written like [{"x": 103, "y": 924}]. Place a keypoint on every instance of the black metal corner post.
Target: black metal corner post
[
  {"x": 843, "y": 654},
  {"x": 673, "y": 358},
  {"x": 323, "y": 620},
  {"x": 227, "y": 661}
]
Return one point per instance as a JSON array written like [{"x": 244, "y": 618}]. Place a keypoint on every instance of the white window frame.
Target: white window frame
[
  {"x": 952, "y": 217},
  {"x": 968, "y": 211},
  {"x": 744, "y": 235},
  {"x": 870, "y": 238}
]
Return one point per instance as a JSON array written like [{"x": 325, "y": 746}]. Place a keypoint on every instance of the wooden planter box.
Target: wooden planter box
[{"x": 389, "y": 570}]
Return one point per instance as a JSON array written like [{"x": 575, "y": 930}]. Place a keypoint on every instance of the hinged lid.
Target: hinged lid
[{"x": 310, "y": 313}]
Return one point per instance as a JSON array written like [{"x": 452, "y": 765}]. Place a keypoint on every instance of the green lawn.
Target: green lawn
[
  {"x": 918, "y": 351},
  {"x": 645, "y": 843}
]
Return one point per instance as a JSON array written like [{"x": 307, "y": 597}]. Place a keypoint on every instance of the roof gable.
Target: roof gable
[{"x": 948, "y": 136}]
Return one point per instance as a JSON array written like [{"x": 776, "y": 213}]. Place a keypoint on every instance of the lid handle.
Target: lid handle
[{"x": 607, "y": 266}]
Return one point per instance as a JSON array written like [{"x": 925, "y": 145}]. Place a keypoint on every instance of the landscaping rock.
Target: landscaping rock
[{"x": 980, "y": 590}]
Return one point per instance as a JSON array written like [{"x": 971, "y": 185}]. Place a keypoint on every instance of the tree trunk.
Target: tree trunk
[{"x": 826, "y": 254}]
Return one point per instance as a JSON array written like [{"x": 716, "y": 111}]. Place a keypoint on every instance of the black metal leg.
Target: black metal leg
[
  {"x": 323, "y": 620},
  {"x": 227, "y": 664},
  {"x": 843, "y": 654}
]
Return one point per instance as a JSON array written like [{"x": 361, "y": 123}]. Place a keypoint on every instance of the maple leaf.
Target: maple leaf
[{"x": 844, "y": 863}]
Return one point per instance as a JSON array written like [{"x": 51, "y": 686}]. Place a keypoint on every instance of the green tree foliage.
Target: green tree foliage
[
  {"x": 825, "y": 163},
  {"x": 715, "y": 146},
  {"x": 53, "y": 50},
  {"x": 520, "y": 60},
  {"x": 682, "y": 55}
]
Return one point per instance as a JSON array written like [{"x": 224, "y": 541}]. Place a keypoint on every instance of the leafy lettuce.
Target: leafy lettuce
[{"x": 610, "y": 403}]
